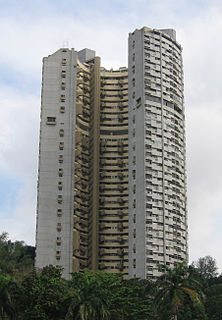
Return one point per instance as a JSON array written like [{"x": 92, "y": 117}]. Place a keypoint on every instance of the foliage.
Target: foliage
[
  {"x": 214, "y": 302},
  {"x": 172, "y": 288},
  {"x": 88, "y": 297},
  {"x": 27, "y": 294},
  {"x": 129, "y": 300},
  {"x": 7, "y": 307},
  {"x": 190, "y": 311},
  {"x": 206, "y": 267},
  {"x": 102, "y": 295},
  {"x": 16, "y": 259},
  {"x": 43, "y": 295}
]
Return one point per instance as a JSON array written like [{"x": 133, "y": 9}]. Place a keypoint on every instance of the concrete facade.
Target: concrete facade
[
  {"x": 112, "y": 180},
  {"x": 157, "y": 179},
  {"x": 82, "y": 208}
]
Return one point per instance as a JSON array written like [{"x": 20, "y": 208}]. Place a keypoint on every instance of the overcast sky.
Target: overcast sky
[{"x": 32, "y": 29}]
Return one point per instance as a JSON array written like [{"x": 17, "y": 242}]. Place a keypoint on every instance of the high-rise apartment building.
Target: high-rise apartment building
[
  {"x": 157, "y": 184},
  {"x": 111, "y": 188},
  {"x": 82, "y": 214}
]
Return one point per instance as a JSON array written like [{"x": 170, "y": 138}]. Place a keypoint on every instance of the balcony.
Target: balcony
[
  {"x": 102, "y": 239},
  {"x": 120, "y": 266},
  {"x": 120, "y": 213},
  {"x": 120, "y": 163},
  {"x": 120, "y": 175},
  {"x": 101, "y": 252},
  {"x": 102, "y": 175},
  {"x": 102, "y": 213},
  {"x": 121, "y": 201},
  {"x": 120, "y": 252},
  {"x": 102, "y": 200},
  {"x": 120, "y": 240},
  {"x": 102, "y": 226},
  {"x": 120, "y": 118}
]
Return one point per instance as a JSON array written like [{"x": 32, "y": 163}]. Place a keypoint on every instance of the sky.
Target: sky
[{"x": 31, "y": 30}]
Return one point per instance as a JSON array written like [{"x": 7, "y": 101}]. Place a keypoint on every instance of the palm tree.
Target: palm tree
[
  {"x": 88, "y": 298},
  {"x": 171, "y": 288}
]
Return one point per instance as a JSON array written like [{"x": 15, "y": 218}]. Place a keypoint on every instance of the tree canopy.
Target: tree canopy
[
  {"x": 16, "y": 258},
  {"x": 182, "y": 293}
]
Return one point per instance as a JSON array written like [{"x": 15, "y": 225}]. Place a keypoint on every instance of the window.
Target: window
[
  {"x": 60, "y": 172},
  {"x": 138, "y": 102},
  {"x": 60, "y": 158},
  {"x": 60, "y": 185},
  {"x": 61, "y": 132},
  {"x": 63, "y": 73},
  {"x": 51, "y": 120},
  {"x": 62, "y": 98},
  {"x": 59, "y": 212},
  {"x": 59, "y": 226},
  {"x": 58, "y": 241},
  {"x": 61, "y": 145},
  {"x": 62, "y": 109},
  {"x": 63, "y": 62},
  {"x": 59, "y": 199}
]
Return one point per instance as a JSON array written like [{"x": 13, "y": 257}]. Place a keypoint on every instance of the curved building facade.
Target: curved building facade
[
  {"x": 112, "y": 180},
  {"x": 157, "y": 179},
  {"x": 82, "y": 210}
]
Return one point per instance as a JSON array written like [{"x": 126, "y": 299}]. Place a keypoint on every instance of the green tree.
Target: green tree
[
  {"x": 7, "y": 307},
  {"x": 129, "y": 300},
  {"x": 191, "y": 311},
  {"x": 88, "y": 298},
  {"x": 172, "y": 287},
  {"x": 16, "y": 259},
  {"x": 206, "y": 267},
  {"x": 43, "y": 295},
  {"x": 214, "y": 302},
  {"x": 100, "y": 295}
]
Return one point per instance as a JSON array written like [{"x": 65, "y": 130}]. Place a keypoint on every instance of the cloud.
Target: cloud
[
  {"x": 202, "y": 61},
  {"x": 43, "y": 26},
  {"x": 19, "y": 124},
  {"x": 19, "y": 222}
]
